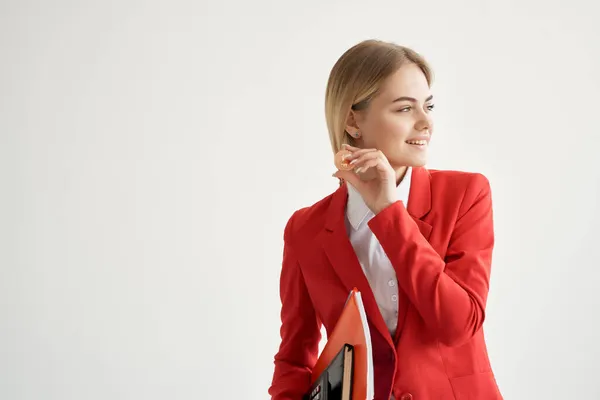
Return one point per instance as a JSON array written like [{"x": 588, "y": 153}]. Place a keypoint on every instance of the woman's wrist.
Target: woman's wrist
[{"x": 380, "y": 207}]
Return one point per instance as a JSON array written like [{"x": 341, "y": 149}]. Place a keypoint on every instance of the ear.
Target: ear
[{"x": 352, "y": 123}]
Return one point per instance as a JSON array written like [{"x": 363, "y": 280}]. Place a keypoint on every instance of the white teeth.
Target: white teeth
[{"x": 419, "y": 142}]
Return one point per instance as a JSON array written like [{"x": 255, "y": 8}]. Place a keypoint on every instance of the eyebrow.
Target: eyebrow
[{"x": 411, "y": 99}]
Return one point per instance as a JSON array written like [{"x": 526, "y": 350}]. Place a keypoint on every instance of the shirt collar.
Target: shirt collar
[{"x": 357, "y": 211}]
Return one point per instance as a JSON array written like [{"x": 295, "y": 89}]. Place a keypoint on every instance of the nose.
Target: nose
[{"x": 424, "y": 123}]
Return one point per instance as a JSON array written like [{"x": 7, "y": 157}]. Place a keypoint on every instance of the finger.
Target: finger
[
  {"x": 366, "y": 165},
  {"x": 348, "y": 160},
  {"x": 370, "y": 160},
  {"x": 357, "y": 153},
  {"x": 365, "y": 157}
]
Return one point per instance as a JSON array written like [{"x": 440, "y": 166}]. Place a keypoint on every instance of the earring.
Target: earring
[{"x": 357, "y": 134}]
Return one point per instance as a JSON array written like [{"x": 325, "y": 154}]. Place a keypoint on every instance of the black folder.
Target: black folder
[{"x": 335, "y": 383}]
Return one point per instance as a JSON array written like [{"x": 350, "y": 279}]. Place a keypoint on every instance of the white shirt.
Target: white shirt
[{"x": 374, "y": 262}]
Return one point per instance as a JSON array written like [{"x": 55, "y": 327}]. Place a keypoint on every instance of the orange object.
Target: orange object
[
  {"x": 351, "y": 328},
  {"x": 340, "y": 162}
]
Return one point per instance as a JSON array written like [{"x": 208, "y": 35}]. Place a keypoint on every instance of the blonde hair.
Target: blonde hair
[{"x": 357, "y": 77}]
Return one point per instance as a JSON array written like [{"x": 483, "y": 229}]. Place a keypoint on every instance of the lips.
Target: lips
[{"x": 420, "y": 142}]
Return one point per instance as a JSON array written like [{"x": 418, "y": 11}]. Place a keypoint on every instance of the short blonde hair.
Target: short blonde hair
[{"x": 357, "y": 77}]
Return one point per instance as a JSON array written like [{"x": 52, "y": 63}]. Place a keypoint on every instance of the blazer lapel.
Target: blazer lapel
[
  {"x": 342, "y": 257},
  {"x": 419, "y": 204},
  {"x": 419, "y": 199}
]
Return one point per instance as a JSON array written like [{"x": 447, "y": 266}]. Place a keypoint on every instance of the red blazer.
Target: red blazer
[{"x": 441, "y": 248}]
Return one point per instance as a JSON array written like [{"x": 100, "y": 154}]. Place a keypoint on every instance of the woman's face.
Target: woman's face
[{"x": 397, "y": 116}]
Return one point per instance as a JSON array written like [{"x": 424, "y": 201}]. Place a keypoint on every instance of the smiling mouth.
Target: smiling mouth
[{"x": 417, "y": 142}]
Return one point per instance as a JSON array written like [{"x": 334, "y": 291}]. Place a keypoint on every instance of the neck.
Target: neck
[{"x": 400, "y": 173}]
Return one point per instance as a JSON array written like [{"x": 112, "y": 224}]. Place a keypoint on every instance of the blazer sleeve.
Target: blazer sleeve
[
  {"x": 450, "y": 294},
  {"x": 300, "y": 331}
]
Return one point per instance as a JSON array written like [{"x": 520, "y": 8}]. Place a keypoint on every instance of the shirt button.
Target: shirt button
[
  {"x": 391, "y": 283},
  {"x": 406, "y": 396},
  {"x": 394, "y": 297}
]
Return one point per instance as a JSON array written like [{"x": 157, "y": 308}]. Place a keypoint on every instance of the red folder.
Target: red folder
[{"x": 351, "y": 328}]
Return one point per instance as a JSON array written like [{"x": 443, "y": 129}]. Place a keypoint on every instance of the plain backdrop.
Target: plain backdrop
[{"x": 151, "y": 153}]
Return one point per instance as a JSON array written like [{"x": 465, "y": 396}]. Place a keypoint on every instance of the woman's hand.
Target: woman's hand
[{"x": 372, "y": 176}]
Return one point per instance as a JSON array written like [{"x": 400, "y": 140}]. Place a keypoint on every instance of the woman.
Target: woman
[{"x": 416, "y": 242}]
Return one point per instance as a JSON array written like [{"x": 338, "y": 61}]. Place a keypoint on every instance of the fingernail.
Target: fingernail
[
  {"x": 359, "y": 170},
  {"x": 353, "y": 161}
]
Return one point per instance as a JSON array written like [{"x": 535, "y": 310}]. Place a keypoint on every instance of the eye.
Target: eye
[
  {"x": 430, "y": 107},
  {"x": 404, "y": 109}
]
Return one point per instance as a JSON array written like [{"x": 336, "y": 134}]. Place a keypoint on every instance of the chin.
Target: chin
[{"x": 410, "y": 162}]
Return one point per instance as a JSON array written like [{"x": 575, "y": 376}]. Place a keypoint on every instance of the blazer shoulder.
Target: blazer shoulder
[
  {"x": 465, "y": 189},
  {"x": 307, "y": 220},
  {"x": 462, "y": 181}
]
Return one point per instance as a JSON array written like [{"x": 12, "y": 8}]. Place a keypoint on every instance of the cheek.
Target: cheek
[
  {"x": 396, "y": 127},
  {"x": 387, "y": 129}
]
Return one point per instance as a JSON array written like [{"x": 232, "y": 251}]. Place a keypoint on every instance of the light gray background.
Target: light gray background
[{"x": 151, "y": 153}]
